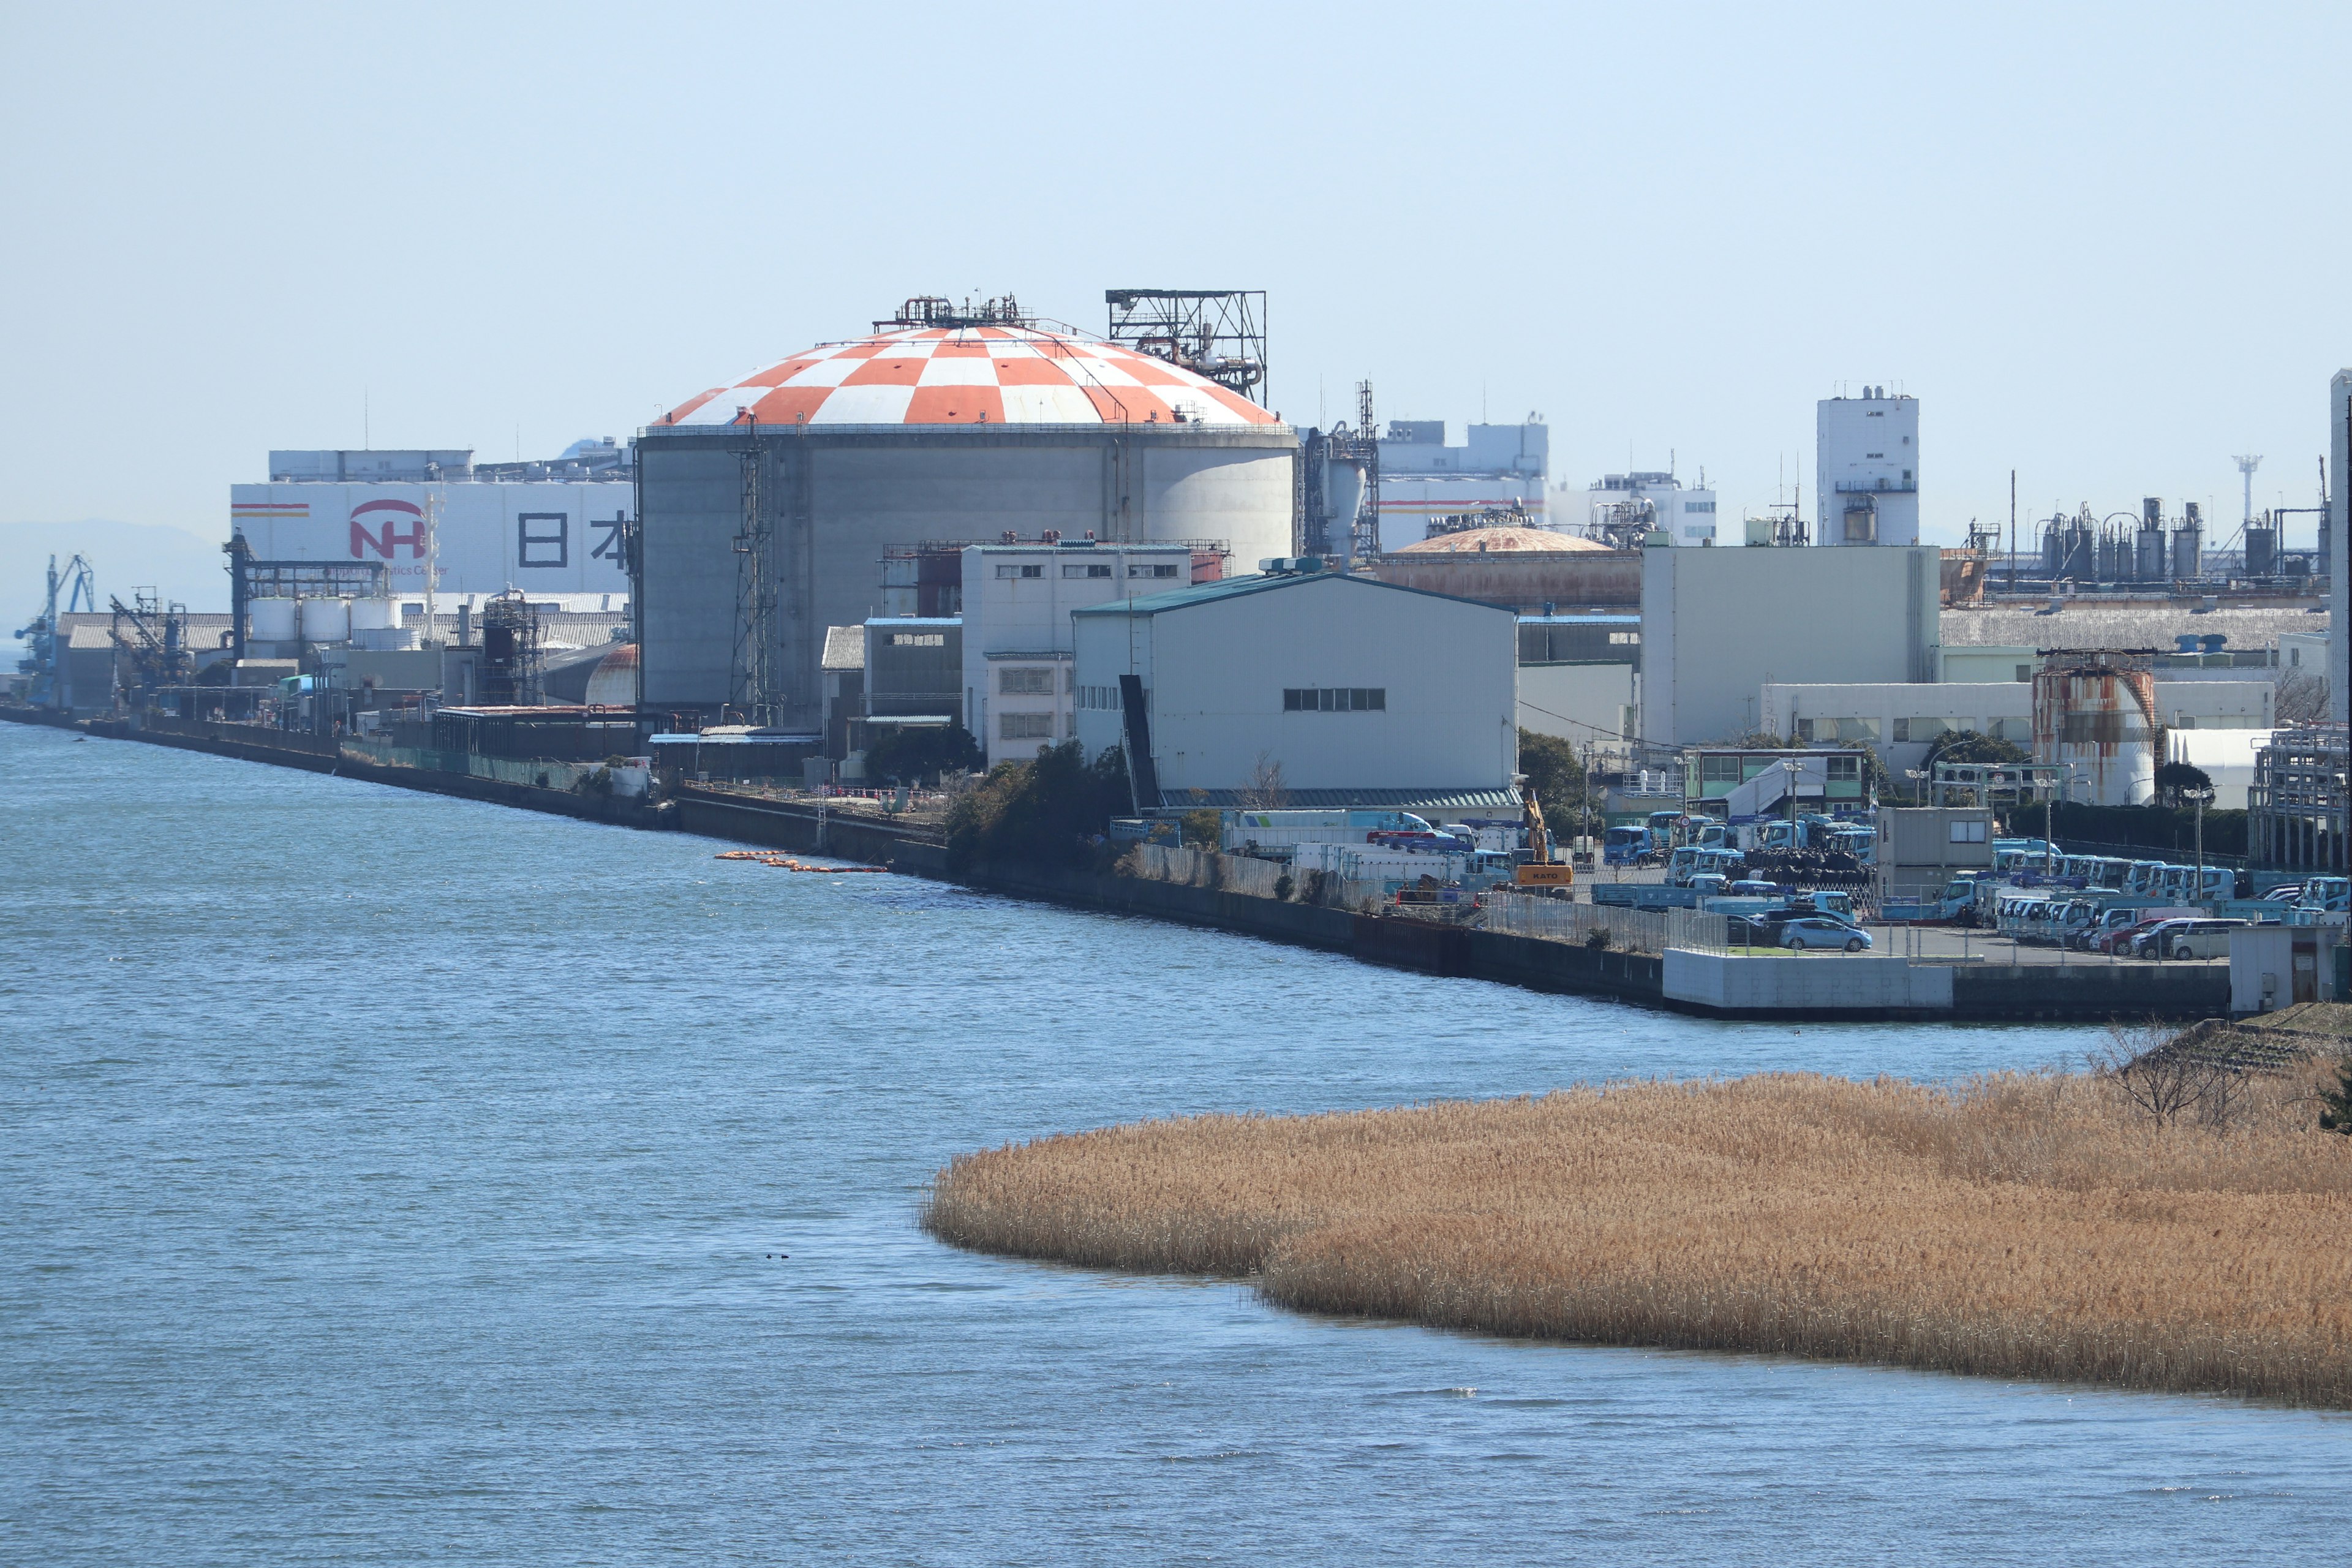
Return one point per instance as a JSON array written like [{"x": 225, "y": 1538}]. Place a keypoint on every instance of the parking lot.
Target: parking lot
[{"x": 1928, "y": 944}]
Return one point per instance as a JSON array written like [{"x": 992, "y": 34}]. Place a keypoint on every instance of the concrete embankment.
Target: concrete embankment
[{"x": 1790, "y": 988}]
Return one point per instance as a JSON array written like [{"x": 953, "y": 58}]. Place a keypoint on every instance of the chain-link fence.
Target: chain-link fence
[{"x": 1629, "y": 930}]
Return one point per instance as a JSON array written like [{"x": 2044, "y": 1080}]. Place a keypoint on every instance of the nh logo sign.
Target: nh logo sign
[{"x": 389, "y": 533}]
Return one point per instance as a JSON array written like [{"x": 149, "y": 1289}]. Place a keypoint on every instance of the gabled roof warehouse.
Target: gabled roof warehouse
[{"x": 1360, "y": 692}]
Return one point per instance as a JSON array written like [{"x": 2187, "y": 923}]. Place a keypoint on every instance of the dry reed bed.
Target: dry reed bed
[{"x": 2024, "y": 1225}]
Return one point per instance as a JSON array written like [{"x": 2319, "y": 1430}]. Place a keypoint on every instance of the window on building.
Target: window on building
[
  {"x": 1025, "y": 682},
  {"x": 1162, "y": 569},
  {"x": 2024, "y": 672},
  {"x": 1846, "y": 730},
  {"x": 1025, "y": 726},
  {"x": 1842, "y": 770},
  {"x": 1623, "y": 640},
  {"x": 1718, "y": 769},
  {"x": 1335, "y": 698},
  {"x": 919, "y": 639},
  {"x": 1009, "y": 569},
  {"x": 1968, "y": 832},
  {"x": 1087, "y": 569}
]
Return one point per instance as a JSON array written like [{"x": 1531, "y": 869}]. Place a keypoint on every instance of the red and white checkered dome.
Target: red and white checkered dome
[{"x": 970, "y": 376}]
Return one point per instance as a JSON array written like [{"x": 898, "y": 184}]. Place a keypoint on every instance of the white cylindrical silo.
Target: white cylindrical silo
[
  {"x": 326, "y": 620},
  {"x": 271, "y": 619},
  {"x": 374, "y": 614}
]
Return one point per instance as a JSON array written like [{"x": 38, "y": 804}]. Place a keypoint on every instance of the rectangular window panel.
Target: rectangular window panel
[
  {"x": 542, "y": 539},
  {"x": 1087, "y": 570},
  {"x": 1025, "y": 726},
  {"x": 1025, "y": 682},
  {"x": 1016, "y": 572},
  {"x": 1152, "y": 570}
]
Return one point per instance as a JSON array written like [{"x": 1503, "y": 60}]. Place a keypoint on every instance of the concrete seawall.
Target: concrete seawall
[{"x": 1785, "y": 988}]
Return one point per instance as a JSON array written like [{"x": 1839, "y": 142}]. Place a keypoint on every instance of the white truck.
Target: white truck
[{"x": 1281, "y": 832}]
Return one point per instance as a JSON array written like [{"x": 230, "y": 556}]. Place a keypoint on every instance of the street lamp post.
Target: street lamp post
[{"x": 2199, "y": 797}]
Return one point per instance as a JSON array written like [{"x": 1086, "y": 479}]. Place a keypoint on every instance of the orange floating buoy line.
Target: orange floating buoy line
[{"x": 786, "y": 863}]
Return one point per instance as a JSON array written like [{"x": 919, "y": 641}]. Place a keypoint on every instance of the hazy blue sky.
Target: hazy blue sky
[{"x": 2104, "y": 245}]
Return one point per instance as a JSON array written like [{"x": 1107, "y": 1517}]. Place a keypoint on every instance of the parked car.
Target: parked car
[
  {"x": 1808, "y": 932},
  {"x": 2122, "y": 940},
  {"x": 2196, "y": 939}
]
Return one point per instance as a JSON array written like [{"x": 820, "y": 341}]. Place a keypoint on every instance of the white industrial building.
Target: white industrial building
[
  {"x": 1902, "y": 719},
  {"x": 1867, "y": 469},
  {"x": 1499, "y": 468},
  {"x": 1019, "y": 696},
  {"x": 1716, "y": 622},
  {"x": 559, "y": 540},
  {"x": 1630, "y": 510},
  {"x": 1361, "y": 693}
]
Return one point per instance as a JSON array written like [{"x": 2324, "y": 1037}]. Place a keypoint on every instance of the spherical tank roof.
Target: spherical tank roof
[
  {"x": 970, "y": 376},
  {"x": 1498, "y": 541}
]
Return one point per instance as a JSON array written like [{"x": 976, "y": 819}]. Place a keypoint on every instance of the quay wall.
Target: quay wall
[{"x": 1781, "y": 988}]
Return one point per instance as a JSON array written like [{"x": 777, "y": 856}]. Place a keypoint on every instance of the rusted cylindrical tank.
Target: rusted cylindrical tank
[{"x": 2097, "y": 720}]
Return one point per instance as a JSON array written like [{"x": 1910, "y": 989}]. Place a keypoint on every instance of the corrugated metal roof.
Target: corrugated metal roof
[
  {"x": 844, "y": 648},
  {"x": 1414, "y": 800}
]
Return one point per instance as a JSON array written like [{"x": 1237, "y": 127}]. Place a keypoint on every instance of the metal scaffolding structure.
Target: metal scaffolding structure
[
  {"x": 512, "y": 659},
  {"x": 2295, "y": 807},
  {"x": 755, "y": 694},
  {"x": 1216, "y": 332},
  {"x": 250, "y": 579}
]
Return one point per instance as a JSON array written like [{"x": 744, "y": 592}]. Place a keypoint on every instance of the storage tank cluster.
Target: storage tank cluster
[
  {"x": 2089, "y": 551},
  {"x": 289, "y": 624}
]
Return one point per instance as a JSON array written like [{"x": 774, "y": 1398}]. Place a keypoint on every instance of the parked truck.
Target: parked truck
[{"x": 1279, "y": 833}]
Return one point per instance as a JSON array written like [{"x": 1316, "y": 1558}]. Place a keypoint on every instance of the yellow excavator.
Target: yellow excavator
[{"x": 1539, "y": 869}]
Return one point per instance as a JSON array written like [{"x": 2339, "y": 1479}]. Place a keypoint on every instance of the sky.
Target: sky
[{"x": 2101, "y": 244}]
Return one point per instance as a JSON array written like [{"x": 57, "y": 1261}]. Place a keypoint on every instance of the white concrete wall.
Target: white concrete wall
[
  {"x": 2215, "y": 704},
  {"x": 1983, "y": 663},
  {"x": 1810, "y": 982},
  {"x": 1578, "y": 702},
  {"x": 1214, "y": 672},
  {"x": 1715, "y": 623}
]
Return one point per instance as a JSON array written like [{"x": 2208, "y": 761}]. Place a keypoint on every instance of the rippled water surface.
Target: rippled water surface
[{"x": 388, "y": 1178}]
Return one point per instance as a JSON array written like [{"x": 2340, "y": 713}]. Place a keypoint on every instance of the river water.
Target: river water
[{"x": 388, "y": 1178}]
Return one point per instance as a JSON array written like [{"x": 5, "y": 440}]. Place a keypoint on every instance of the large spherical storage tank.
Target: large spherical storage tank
[{"x": 928, "y": 433}]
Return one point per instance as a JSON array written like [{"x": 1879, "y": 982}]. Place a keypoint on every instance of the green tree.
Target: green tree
[
  {"x": 2174, "y": 780},
  {"x": 1968, "y": 747},
  {"x": 1040, "y": 812},
  {"x": 916, "y": 751},
  {"x": 1553, "y": 769}
]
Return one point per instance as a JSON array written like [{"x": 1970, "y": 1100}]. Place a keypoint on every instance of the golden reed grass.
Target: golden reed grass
[{"x": 2023, "y": 1225}]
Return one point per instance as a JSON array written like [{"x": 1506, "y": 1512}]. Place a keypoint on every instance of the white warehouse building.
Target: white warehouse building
[
  {"x": 1361, "y": 693},
  {"x": 1716, "y": 622},
  {"x": 1019, "y": 696}
]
